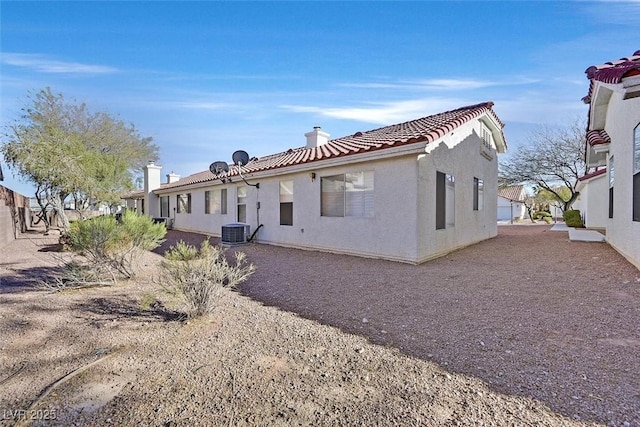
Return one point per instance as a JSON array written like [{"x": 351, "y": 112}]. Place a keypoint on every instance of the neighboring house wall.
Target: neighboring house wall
[
  {"x": 622, "y": 232},
  {"x": 15, "y": 215},
  {"x": 511, "y": 210},
  {"x": 403, "y": 225},
  {"x": 613, "y": 130},
  {"x": 593, "y": 201}
]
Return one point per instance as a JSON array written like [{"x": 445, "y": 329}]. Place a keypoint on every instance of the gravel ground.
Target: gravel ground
[{"x": 524, "y": 329}]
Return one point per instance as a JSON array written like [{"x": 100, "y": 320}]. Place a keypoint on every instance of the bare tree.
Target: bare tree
[{"x": 552, "y": 159}]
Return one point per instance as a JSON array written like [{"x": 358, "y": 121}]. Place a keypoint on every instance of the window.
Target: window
[
  {"x": 184, "y": 203},
  {"x": 286, "y": 202},
  {"x": 485, "y": 134},
  {"x": 636, "y": 173},
  {"x": 164, "y": 206},
  {"x": 215, "y": 201},
  {"x": 242, "y": 204},
  {"x": 350, "y": 194},
  {"x": 611, "y": 180},
  {"x": 445, "y": 201},
  {"x": 478, "y": 194}
]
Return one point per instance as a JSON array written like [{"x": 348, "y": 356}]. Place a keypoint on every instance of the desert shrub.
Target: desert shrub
[
  {"x": 75, "y": 275},
  {"x": 113, "y": 244},
  {"x": 541, "y": 215},
  {"x": 572, "y": 218},
  {"x": 199, "y": 281},
  {"x": 182, "y": 252}
]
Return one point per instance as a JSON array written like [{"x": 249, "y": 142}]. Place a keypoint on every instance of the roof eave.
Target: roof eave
[{"x": 387, "y": 153}]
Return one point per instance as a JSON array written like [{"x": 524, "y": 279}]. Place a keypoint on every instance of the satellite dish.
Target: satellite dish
[
  {"x": 240, "y": 158},
  {"x": 217, "y": 168}
]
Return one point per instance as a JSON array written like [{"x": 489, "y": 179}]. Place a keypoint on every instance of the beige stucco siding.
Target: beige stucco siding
[
  {"x": 593, "y": 201},
  {"x": 459, "y": 155},
  {"x": 389, "y": 234},
  {"x": 403, "y": 225},
  {"x": 622, "y": 232}
]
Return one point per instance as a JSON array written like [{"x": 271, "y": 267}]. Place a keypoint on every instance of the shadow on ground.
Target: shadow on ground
[
  {"x": 129, "y": 309},
  {"x": 26, "y": 279}
]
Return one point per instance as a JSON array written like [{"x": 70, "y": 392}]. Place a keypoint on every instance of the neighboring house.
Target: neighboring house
[
  {"x": 593, "y": 199},
  {"x": 613, "y": 136},
  {"x": 511, "y": 203},
  {"x": 407, "y": 192}
]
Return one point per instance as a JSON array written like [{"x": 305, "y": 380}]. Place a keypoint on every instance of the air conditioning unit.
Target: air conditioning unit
[{"x": 235, "y": 234}]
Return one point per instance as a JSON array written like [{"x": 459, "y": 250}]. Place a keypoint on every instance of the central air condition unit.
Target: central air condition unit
[{"x": 235, "y": 234}]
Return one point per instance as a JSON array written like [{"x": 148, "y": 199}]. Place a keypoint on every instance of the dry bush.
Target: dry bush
[
  {"x": 106, "y": 242},
  {"x": 199, "y": 280}
]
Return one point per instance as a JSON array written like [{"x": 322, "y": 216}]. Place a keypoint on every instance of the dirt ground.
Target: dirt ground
[{"x": 524, "y": 329}]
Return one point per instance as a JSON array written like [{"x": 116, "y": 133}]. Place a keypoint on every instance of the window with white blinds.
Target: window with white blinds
[
  {"x": 350, "y": 194},
  {"x": 242, "y": 204},
  {"x": 215, "y": 201},
  {"x": 164, "y": 206},
  {"x": 286, "y": 202}
]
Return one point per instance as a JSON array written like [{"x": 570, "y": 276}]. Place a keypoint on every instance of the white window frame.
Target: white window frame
[{"x": 351, "y": 194}]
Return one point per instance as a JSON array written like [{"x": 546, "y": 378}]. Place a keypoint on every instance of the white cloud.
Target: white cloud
[
  {"x": 195, "y": 105},
  {"x": 450, "y": 84},
  {"x": 43, "y": 64},
  {"x": 388, "y": 112}
]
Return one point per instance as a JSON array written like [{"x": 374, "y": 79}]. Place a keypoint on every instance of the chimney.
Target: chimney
[
  {"x": 172, "y": 177},
  {"x": 151, "y": 182},
  {"x": 316, "y": 137}
]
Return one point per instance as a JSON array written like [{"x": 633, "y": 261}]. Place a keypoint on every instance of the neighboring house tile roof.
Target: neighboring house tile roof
[
  {"x": 138, "y": 194},
  {"x": 612, "y": 72},
  {"x": 593, "y": 174},
  {"x": 424, "y": 130},
  {"x": 514, "y": 192},
  {"x": 595, "y": 137}
]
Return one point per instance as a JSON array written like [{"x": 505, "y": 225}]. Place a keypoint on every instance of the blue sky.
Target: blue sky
[{"x": 207, "y": 78}]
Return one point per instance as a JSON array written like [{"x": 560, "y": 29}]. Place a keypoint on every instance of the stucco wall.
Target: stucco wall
[
  {"x": 622, "y": 232},
  {"x": 508, "y": 210},
  {"x": 403, "y": 227},
  {"x": 389, "y": 234},
  {"x": 593, "y": 201},
  {"x": 459, "y": 155}
]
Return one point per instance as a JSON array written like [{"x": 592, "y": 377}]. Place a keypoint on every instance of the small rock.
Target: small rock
[{"x": 365, "y": 320}]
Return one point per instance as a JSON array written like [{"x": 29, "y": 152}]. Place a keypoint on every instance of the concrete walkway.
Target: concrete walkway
[{"x": 579, "y": 234}]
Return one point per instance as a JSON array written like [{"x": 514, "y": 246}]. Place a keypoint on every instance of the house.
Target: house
[
  {"x": 613, "y": 140},
  {"x": 406, "y": 192},
  {"x": 511, "y": 203},
  {"x": 592, "y": 201}
]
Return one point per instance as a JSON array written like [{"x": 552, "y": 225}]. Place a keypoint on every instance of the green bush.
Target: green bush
[
  {"x": 115, "y": 245},
  {"x": 572, "y": 218},
  {"x": 199, "y": 281},
  {"x": 541, "y": 215}
]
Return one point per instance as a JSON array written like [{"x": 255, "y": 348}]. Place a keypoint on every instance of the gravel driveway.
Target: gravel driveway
[
  {"x": 521, "y": 325},
  {"x": 529, "y": 312}
]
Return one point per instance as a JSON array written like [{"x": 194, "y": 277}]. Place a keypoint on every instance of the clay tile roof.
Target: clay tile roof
[
  {"x": 424, "y": 130},
  {"x": 514, "y": 192},
  {"x": 595, "y": 137},
  {"x": 136, "y": 194},
  {"x": 592, "y": 174},
  {"x": 612, "y": 72}
]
